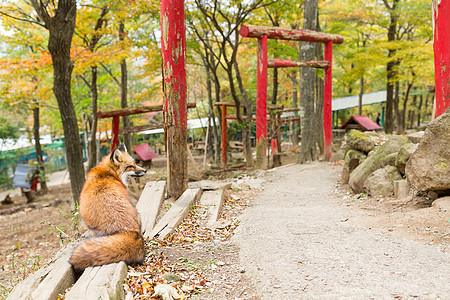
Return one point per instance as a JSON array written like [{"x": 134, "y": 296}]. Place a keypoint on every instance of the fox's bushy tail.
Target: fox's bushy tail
[{"x": 127, "y": 246}]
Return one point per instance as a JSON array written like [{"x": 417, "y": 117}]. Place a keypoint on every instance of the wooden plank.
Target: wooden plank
[
  {"x": 102, "y": 282},
  {"x": 140, "y": 128},
  {"x": 134, "y": 110},
  {"x": 207, "y": 185},
  {"x": 136, "y": 193},
  {"x": 148, "y": 206},
  {"x": 175, "y": 215},
  {"x": 48, "y": 281},
  {"x": 212, "y": 202}
]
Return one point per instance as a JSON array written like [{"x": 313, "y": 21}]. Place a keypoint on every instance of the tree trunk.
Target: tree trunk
[
  {"x": 247, "y": 131},
  {"x": 419, "y": 111},
  {"x": 124, "y": 90},
  {"x": 92, "y": 140},
  {"x": 391, "y": 72},
  {"x": 398, "y": 116},
  {"x": 211, "y": 116},
  {"x": 308, "y": 144},
  {"x": 61, "y": 28},
  {"x": 361, "y": 94},
  {"x": 37, "y": 145},
  {"x": 403, "y": 112},
  {"x": 295, "y": 124}
]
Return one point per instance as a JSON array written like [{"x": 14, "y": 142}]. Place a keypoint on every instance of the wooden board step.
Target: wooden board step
[
  {"x": 207, "y": 185},
  {"x": 149, "y": 203},
  {"x": 211, "y": 205},
  {"x": 102, "y": 282},
  {"x": 175, "y": 215},
  {"x": 49, "y": 281}
]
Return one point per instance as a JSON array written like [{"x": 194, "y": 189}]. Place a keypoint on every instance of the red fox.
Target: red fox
[{"x": 108, "y": 212}]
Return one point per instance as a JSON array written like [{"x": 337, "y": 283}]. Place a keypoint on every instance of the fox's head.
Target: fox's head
[{"x": 125, "y": 164}]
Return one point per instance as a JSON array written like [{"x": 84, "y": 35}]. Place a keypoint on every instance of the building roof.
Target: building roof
[
  {"x": 353, "y": 101},
  {"x": 362, "y": 121},
  {"x": 145, "y": 152},
  {"x": 191, "y": 124}
]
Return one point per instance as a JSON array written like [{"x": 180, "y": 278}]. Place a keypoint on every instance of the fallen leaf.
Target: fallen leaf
[{"x": 167, "y": 292}]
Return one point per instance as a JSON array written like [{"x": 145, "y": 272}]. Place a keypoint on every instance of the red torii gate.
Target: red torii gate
[{"x": 262, "y": 33}]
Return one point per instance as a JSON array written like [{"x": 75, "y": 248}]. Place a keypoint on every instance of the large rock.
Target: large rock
[
  {"x": 428, "y": 168},
  {"x": 379, "y": 158},
  {"x": 442, "y": 204},
  {"x": 360, "y": 141},
  {"x": 381, "y": 182},
  {"x": 352, "y": 159},
  {"x": 416, "y": 136},
  {"x": 403, "y": 156}
]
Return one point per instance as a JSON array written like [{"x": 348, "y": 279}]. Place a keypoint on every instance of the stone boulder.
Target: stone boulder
[
  {"x": 379, "y": 158},
  {"x": 381, "y": 182},
  {"x": 337, "y": 156},
  {"x": 416, "y": 136},
  {"x": 442, "y": 204},
  {"x": 428, "y": 168},
  {"x": 360, "y": 140},
  {"x": 403, "y": 155},
  {"x": 352, "y": 159}
]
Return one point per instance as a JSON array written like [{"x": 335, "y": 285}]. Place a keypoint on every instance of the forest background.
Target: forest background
[{"x": 116, "y": 62}]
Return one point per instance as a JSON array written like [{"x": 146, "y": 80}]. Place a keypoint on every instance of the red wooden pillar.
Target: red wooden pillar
[
  {"x": 327, "y": 95},
  {"x": 115, "y": 132},
  {"x": 224, "y": 135},
  {"x": 261, "y": 104},
  {"x": 173, "y": 53},
  {"x": 441, "y": 18}
]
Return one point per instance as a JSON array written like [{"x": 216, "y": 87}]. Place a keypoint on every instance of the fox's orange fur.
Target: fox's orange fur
[{"x": 108, "y": 212}]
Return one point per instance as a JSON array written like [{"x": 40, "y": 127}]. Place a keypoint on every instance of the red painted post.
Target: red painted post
[
  {"x": 441, "y": 19},
  {"x": 173, "y": 54},
  {"x": 224, "y": 135},
  {"x": 261, "y": 104},
  {"x": 327, "y": 114},
  {"x": 115, "y": 132}
]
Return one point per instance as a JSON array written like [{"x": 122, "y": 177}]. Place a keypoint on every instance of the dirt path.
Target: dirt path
[{"x": 300, "y": 241}]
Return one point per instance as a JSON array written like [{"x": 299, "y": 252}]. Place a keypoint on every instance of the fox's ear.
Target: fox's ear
[
  {"x": 122, "y": 148},
  {"x": 116, "y": 156}
]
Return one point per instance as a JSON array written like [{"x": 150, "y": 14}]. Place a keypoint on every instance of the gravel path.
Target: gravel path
[{"x": 299, "y": 241}]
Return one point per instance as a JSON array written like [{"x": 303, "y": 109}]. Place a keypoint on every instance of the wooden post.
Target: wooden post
[
  {"x": 261, "y": 104},
  {"x": 327, "y": 118},
  {"x": 115, "y": 132},
  {"x": 173, "y": 53},
  {"x": 224, "y": 135},
  {"x": 441, "y": 20}
]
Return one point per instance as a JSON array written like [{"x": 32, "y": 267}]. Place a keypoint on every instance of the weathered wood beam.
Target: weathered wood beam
[
  {"x": 129, "y": 111},
  {"x": 289, "y": 34},
  {"x": 211, "y": 202},
  {"x": 149, "y": 203},
  {"x": 285, "y": 63},
  {"x": 174, "y": 216},
  {"x": 49, "y": 281},
  {"x": 134, "y": 110},
  {"x": 140, "y": 128},
  {"x": 101, "y": 282}
]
